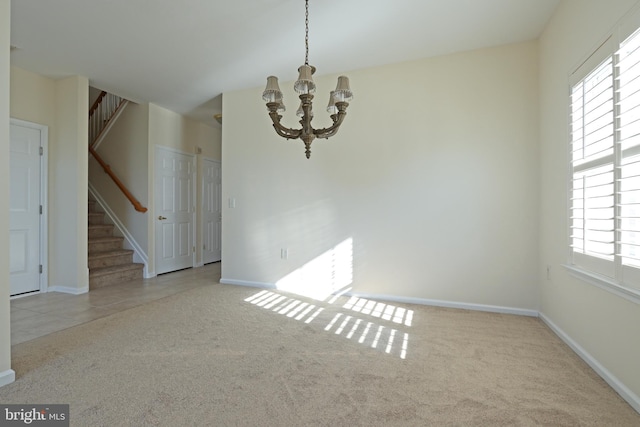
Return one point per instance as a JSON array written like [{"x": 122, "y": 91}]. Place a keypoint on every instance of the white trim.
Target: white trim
[
  {"x": 112, "y": 120},
  {"x": 139, "y": 254},
  {"x": 7, "y": 377},
  {"x": 603, "y": 282},
  {"x": 629, "y": 396},
  {"x": 44, "y": 200},
  {"x": 28, "y": 294},
  {"x": 247, "y": 283},
  {"x": 68, "y": 290},
  {"x": 448, "y": 304}
]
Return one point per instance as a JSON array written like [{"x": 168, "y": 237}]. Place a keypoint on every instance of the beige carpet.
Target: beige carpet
[{"x": 235, "y": 356}]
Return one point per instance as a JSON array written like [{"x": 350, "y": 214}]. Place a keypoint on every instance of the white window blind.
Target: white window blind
[
  {"x": 628, "y": 104},
  {"x": 593, "y": 183},
  {"x": 605, "y": 166}
]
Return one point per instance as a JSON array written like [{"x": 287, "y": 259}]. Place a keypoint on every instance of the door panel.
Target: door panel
[
  {"x": 174, "y": 207},
  {"x": 24, "y": 207}
]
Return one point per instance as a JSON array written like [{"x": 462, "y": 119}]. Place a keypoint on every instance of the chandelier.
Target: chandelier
[{"x": 337, "y": 108}]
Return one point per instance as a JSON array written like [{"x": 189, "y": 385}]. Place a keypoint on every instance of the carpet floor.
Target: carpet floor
[{"x": 235, "y": 356}]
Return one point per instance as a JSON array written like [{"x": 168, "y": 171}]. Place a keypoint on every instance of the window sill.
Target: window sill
[{"x": 605, "y": 283}]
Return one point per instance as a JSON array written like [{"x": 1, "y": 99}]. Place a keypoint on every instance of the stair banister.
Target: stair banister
[{"x": 101, "y": 113}]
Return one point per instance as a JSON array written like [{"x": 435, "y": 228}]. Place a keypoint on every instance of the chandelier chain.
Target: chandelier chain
[
  {"x": 305, "y": 87},
  {"x": 306, "y": 33}
]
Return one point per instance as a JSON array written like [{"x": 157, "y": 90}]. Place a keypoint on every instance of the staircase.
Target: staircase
[{"x": 109, "y": 263}]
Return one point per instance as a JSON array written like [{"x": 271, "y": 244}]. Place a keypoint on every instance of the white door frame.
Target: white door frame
[
  {"x": 44, "y": 180},
  {"x": 202, "y": 228},
  {"x": 156, "y": 198}
]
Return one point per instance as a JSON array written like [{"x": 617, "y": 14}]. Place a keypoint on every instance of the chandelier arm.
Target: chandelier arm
[
  {"x": 332, "y": 130},
  {"x": 284, "y": 132}
]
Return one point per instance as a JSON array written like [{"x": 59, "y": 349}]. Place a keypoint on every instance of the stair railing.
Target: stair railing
[{"x": 101, "y": 114}]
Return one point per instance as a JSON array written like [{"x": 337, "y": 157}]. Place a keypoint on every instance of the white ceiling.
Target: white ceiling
[{"x": 182, "y": 54}]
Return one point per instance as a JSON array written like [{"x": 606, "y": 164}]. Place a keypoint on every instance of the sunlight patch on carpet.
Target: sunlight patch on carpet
[{"x": 383, "y": 334}]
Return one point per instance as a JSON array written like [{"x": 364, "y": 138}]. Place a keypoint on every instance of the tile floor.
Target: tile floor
[{"x": 40, "y": 314}]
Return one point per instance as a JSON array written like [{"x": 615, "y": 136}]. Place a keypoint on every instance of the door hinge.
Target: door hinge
[
  {"x": 40, "y": 268},
  {"x": 41, "y": 151},
  {"x": 194, "y": 249},
  {"x": 40, "y": 209}
]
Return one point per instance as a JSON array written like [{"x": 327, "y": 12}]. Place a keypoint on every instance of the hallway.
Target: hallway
[{"x": 42, "y": 314}]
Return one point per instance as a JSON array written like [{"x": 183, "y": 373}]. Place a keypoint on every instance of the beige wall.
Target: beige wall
[
  {"x": 173, "y": 130},
  {"x": 68, "y": 187},
  {"x": 434, "y": 177},
  {"x": 33, "y": 98},
  {"x": 604, "y": 325},
  {"x": 6, "y": 373}
]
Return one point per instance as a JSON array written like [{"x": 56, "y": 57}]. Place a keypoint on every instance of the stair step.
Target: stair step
[
  {"x": 105, "y": 276},
  {"x": 100, "y": 230},
  {"x": 109, "y": 263},
  {"x": 104, "y": 244},
  {"x": 110, "y": 258},
  {"x": 96, "y": 218}
]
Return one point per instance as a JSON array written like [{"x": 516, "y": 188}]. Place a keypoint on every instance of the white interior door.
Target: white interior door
[
  {"x": 212, "y": 210},
  {"x": 24, "y": 208},
  {"x": 174, "y": 210}
]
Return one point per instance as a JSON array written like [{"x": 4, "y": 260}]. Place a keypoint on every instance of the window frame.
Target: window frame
[{"x": 610, "y": 275}]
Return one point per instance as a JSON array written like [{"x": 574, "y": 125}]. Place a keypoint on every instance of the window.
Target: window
[{"x": 605, "y": 167}]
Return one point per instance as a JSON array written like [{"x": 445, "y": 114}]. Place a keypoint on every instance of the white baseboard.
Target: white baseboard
[
  {"x": 628, "y": 395},
  {"x": 406, "y": 300},
  {"x": 448, "y": 304},
  {"x": 247, "y": 283},
  {"x": 68, "y": 290},
  {"x": 7, "y": 377}
]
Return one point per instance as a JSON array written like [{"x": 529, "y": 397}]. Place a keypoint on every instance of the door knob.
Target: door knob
[{"x": 161, "y": 217}]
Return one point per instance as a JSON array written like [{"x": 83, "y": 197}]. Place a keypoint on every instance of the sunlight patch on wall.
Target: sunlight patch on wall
[{"x": 323, "y": 276}]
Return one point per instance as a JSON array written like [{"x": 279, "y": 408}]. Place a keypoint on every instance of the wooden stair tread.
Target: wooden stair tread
[
  {"x": 100, "y": 226},
  {"x": 106, "y": 254},
  {"x": 105, "y": 239},
  {"x": 101, "y": 271}
]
